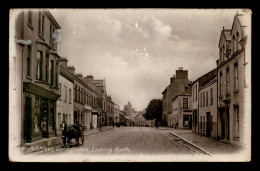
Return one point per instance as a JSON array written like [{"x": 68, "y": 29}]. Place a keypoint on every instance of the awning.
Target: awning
[
  {"x": 37, "y": 90},
  {"x": 87, "y": 107}
]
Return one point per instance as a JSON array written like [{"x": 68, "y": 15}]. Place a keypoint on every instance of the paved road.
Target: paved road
[{"x": 128, "y": 140}]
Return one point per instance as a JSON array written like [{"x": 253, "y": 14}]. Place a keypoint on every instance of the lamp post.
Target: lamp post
[{"x": 100, "y": 115}]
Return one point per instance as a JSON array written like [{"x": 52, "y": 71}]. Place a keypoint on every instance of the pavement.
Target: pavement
[{"x": 208, "y": 144}]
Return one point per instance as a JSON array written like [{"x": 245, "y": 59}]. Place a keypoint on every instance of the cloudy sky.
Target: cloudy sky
[{"x": 138, "y": 50}]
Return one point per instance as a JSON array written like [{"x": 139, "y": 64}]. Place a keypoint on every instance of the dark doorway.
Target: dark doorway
[
  {"x": 190, "y": 121},
  {"x": 209, "y": 124},
  {"x": 28, "y": 120},
  {"x": 223, "y": 126},
  {"x": 75, "y": 117}
]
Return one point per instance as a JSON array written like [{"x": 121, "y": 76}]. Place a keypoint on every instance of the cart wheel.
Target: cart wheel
[{"x": 82, "y": 139}]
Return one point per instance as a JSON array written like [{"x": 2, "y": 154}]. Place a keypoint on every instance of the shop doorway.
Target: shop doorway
[
  {"x": 44, "y": 117},
  {"x": 28, "y": 120},
  {"x": 209, "y": 124}
]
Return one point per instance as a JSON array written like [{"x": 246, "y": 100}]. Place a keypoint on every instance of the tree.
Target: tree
[{"x": 154, "y": 110}]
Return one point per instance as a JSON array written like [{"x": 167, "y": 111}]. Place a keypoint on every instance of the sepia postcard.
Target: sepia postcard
[{"x": 130, "y": 85}]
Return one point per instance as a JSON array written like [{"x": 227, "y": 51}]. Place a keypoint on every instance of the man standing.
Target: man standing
[{"x": 64, "y": 129}]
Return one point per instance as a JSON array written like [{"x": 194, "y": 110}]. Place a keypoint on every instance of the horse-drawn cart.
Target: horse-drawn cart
[{"x": 74, "y": 131}]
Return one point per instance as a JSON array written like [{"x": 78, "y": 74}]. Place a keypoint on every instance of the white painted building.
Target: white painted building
[{"x": 64, "y": 110}]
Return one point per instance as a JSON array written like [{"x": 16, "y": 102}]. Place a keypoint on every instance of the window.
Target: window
[
  {"x": 57, "y": 75},
  {"x": 30, "y": 15},
  {"x": 234, "y": 43},
  {"x": 236, "y": 76},
  {"x": 236, "y": 120},
  {"x": 47, "y": 68},
  {"x": 51, "y": 71},
  {"x": 221, "y": 85},
  {"x": 200, "y": 99},
  {"x": 51, "y": 33},
  {"x": 75, "y": 93},
  {"x": 69, "y": 95},
  {"x": 200, "y": 122},
  {"x": 196, "y": 92},
  {"x": 206, "y": 98},
  {"x": 29, "y": 60},
  {"x": 60, "y": 90},
  {"x": 82, "y": 96},
  {"x": 203, "y": 99},
  {"x": 211, "y": 96},
  {"x": 193, "y": 94},
  {"x": 185, "y": 103},
  {"x": 39, "y": 66},
  {"x": 204, "y": 123},
  {"x": 65, "y": 94},
  {"x": 228, "y": 80}
]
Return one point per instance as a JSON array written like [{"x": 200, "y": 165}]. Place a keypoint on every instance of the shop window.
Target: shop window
[{"x": 37, "y": 111}]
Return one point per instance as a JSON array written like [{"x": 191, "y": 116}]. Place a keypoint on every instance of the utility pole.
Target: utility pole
[{"x": 100, "y": 116}]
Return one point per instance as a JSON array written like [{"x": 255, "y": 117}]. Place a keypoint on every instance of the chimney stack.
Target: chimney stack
[
  {"x": 71, "y": 69},
  {"x": 181, "y": 74},
  {"x": 89, "y": 77},
  {"x": 79, "y": 75},
  {"x": 172, "y": 79},
  {"x": 63, "y": 62}
]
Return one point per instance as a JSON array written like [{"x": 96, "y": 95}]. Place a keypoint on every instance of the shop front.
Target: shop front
[{"x": 39, "y": 113}]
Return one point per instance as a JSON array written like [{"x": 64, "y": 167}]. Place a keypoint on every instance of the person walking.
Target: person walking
[
  {"x": 64, "y": 129},
  {"x": 156, "y": 123}
]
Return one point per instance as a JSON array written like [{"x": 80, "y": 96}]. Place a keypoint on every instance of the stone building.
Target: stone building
[
  {"x": 102, "y": 100},
  {"x": 208, "y": 108},
  {"x": 116, "y": 114},
  {"x": 64, "y": 110},
  {"x": 196, "y": 85},
  {"x": 122, "y": 119},
  {"x": 181, "y": 116},
  {"x": 177, "y": 85},
  {"x": 79, "y": 100},
  {"x": 232, "y": 80},
  {"x": 110, "y": 112},
  {"x": 35, "y": 77},
  {"x": 93, "y": 103}
]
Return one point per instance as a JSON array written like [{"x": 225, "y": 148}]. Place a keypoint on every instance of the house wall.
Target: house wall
[
  {"x": 210, "y": 107},
  {"x": 64, "y": 110}
]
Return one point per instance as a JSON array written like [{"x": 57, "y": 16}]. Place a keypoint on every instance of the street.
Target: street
[{"x": 128, "y": 140}]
